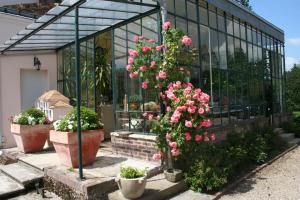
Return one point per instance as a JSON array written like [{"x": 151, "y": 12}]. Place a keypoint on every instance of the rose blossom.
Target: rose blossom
[
  {"x": 136, "y": 38},
  {"x": 175, "y": 152},
  {"x": 206, "y": 123},
  {"x": 166, "y": 25},
  {"x": 130, "y": 60},
  {"x": 141, "y": 37},
  {"x": 188, "y": 124},
  {"x": 186, "y": 40},
  {"x": 150, "y": 116},
  {"x": 133, "y": 75},
  {"x": 146, "y": 49},
  {"x": 204, "y": 97},
  {"x": 158, "y": 48},
  {"x": 145, "y": 114},
  {"x": 187, "y": 136},
  {"x": 201, "y": 111},
  {"x": 145, "y": 85},
  {"x": 192, "y": 109},
  {"x": 151, "y": 41},
  {"x": 213, "y": 137},
  {"x": 156, "y": 156},
  {"x": 169, "y": 109},
  {"x": 128, "y": 68},
  {"x": 162, "y": 75},
  {"x": 143, "y": 68},
  {"x": 198, "y": 138},
  {"x": 133, "y": 53},
  {"x": 162, "y": 95},
  {"x": 206, "y": 138},
  {"x": 173, "y": 145}
]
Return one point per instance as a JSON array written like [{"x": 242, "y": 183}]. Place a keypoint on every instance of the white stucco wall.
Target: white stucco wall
[
  {"x": 10, "y": 90},
  {"x": 11, "y": 25}
]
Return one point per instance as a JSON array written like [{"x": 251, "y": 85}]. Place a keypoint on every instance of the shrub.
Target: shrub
[
  {"x": 291, "y": 128},
  {"x": 131, "y": 172},
  {"x": 89, "y": 121},
  {"x": 32, "y": 116}
]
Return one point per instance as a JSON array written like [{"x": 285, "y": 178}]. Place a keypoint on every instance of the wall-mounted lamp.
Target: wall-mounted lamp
[{"x": 36, "y": 63}]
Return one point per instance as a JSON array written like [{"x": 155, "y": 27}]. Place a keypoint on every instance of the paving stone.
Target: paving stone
[
  {"x": 9, "y": 186},
  {"x": 22, "y": 173},
  {"x": 157, "y": 188},
  {"x": 191, "y": 195},
  {"x": 287, "y": 136}
]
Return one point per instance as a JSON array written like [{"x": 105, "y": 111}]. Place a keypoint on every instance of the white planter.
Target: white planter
[{"x": 132, "y": 188}]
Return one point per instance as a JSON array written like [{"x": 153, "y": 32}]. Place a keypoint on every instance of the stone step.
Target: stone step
[
  {"x": 295, "y": 141},
  {"x": 157, "y": 188},
  {"x": 22, "y": 173},
  {"x": 9, "y": 186},
  {"x": 288, "y": 136},
  {"x": 279, "y": 131}
]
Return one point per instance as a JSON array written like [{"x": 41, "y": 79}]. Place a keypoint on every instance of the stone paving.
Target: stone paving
[{"x": 34, "y": 196}]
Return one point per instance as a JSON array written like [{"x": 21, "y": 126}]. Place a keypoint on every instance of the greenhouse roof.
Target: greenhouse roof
[{"x": 56, "y": 28}]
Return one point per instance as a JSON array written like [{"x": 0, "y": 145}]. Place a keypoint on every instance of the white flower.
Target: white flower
[
  {"x": 56, "y": 124},
  {"x": 70, "y": 126},
  {"x": 31, "y": 120}
]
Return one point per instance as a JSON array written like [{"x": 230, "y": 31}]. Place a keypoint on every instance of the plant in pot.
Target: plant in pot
[
  {"x": 30, "y": 129},
  {"x": 134, "y": 102},
  {"x": 131, "y": 182},
  {"x": 64, "y": 137},
  {"x": 182, "y": 123}
]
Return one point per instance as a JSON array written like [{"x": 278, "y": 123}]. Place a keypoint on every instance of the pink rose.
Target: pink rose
[
  {"x": 133, "y": 75},
  {"x": 206, "y": 138},
  {"x": 130, "y": 60},
  {"x": 206, "y": 123},
  {"x": 192, "y": 109},
  {"x": 145, "y": 85},
  {"x": 141, "y": 37},
  {"x": 204, "y": 97},
  {"x": 158, "y": 48},
  {"x": 143, "y": 68},
  {"x": 145, "y": 114},
  {"x": 201, "y": 111},
  {"x": 162, "y": 95},
  {"x": 187, "y": 136},
  {"x": 190, "y": 103},
  {"x": 133, "y": 53},
  {"x": 198, "y": 138},
  {"x": 146, "y": 49},
  {"x": 151, "y": 41},
  {"x": 188, "y": 124},
  {"x": 156, "y": 156},
  {"x": 152, "y": 66},
  {"x": 166, "y": 25},
  {"x": 136, "y": 38},
  {"x": 186, "y": 40},
  {"x": 169, "y": 109},
  {"x": 162, "y": 75},
  {"x": 158, "y": 117},
  {"x": 175, "y": 152},
  {"x": 173, "y": 145},
  {"x": 150, "y": 116},
  {"x": 213, "y": 137},
  {"x": 128, "y": 68}
]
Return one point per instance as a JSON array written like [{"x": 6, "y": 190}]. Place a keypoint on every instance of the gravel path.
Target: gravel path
[
  {"x": 278, "y": 181},
  {"x": 34, "y": 196}
]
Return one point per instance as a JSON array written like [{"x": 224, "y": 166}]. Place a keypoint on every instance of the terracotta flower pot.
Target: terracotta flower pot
[
  {"x": 66, "y": 146},
  {"x": 30, "y": 138},
  {"x": 131, "y": 188}
]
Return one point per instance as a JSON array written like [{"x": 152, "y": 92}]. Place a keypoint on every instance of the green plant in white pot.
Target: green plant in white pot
[{"x": 132, "y": 182}]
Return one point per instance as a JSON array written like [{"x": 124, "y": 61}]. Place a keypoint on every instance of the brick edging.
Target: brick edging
[{"x": 218, "y": 195}]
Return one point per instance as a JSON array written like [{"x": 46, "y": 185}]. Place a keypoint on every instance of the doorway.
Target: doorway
[{"x": 33, "y": 84}]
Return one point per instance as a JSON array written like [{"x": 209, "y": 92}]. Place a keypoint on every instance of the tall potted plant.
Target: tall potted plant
[
  {"x": 64, "y": 137},
  {"x": 183, "y": 119},
  {"x": 30, "y": 129}
]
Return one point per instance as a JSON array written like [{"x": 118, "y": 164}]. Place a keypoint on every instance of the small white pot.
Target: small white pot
[{"x": 132, "y": 188}]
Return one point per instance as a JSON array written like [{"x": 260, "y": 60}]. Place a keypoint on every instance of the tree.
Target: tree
[
  {"x": 244, "y": 3},
  {"x": 293, "y": 89}
]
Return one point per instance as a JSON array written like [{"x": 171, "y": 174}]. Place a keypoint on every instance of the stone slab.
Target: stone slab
[
  {"x": 157, "y": 188},
  {"x": 8, "y": 186},
  {"x": 287, "y": 136},
  {"x": 191, "y": 195},
  {"x": 22, "y": 173}
]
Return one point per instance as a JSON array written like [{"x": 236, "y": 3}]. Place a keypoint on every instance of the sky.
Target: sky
[{"x": 285, "y": 14}]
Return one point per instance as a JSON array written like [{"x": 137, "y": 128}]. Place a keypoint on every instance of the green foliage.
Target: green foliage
[
  {"x": 216, "y": 164},
  {"x": 135, "y": 99},
  {"x": 291, "y": 128},
  {"x": 131, "y": 172},
  {"x": 296, "y": 116},
  {"x": 244, "y": 3},
  {"x": 293, "y": 89},
  {"x": 31, "y": 116},
  {"x": 89, "y": 121}
]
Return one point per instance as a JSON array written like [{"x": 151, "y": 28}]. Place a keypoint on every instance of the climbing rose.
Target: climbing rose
[
  {"x": 143, "y": 68},
  {"x": 173, "y": 145},
  {"x": 136, "y": 38},
  {"x": 146, "y": 49},
  {"x": 187, "y": 41},
  {"x": 175, "y": 152},
  {"x": 158, "y": 48},
  {"x": 198, "y": 138},
  {"x": 206, "y": 137},
  {"x": 206, "y": 123},
  {"x": 213, "y": 137},
  {"x": 145, "y": 85},
  {"x": 188, "y": 124},
  {"x": 156, "y": 156},
  {"x": 201, "y": 111},
  {"x": 162, "y": 75},
  {"x": 151, "y": 41},
  {"x": 168, "y": 136},
  {"x": 133, "y": 53},
  {"x": 169, "y": 109},
  {"x": 166, "y": 25},
  {"x": 130, "y": 60},
  {"x": 133, "y": 75},
  {"x": 188, "y": 136},
  {"x": 128, "y": 68}
]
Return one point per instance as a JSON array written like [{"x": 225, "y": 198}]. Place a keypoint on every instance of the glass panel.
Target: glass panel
[
  {"x": 249, "y": 34},
  {"x": 205, "y": 58},
  {"x": 170, "y": 6},
  {"x": 180, "y": 8},
  {"x": 203, "y": 16},
  {"x": 222, "y": 51},
  {"x": 212, "y": 19},
  {"x": 243, "y": 31},
  {"x": 221, "y": 23},
  {"x": 236, "y": 28},
  {"x": 229, "y": 25},
  {"x": 192, "y": 13},
  {"x": 193, "y": 33}
]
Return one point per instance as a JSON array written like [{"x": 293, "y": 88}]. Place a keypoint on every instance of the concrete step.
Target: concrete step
[
  {"x": 279, "y": 131},
  {"x": 288, "y": 136},
  {"x": 22, "y": 173},
  {"x": 157, "y": 188},
  {"x": 9, "y": 186},
  {"x": 295, "y": 141}
]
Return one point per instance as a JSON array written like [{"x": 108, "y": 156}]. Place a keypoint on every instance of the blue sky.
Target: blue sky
[{"x": 286, "y": 15}]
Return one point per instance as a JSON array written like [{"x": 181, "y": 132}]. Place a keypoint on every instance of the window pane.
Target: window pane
[
  {"x": 229, "y": 25},
  {"x": 180, "y": 8},
  {"x": 192, "y": 14},
  {"x": 236, "y": 29},
  {"x": 222, "y": 51},
  {"x": 203, "y": 16},
  {"x": 170, "y": 6},
  {"x": 212, "y": 19},
  {"x": 221, "y": 23},
  {"x": 243, "y": 31},
  {"x": 249, "y": 34}
]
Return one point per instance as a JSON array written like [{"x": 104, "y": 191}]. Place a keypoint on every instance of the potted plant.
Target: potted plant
[
  {"x": 134, "y": 102},
  {"x": 132, "y": 182},
  {"x": 30, "y": 129},
  {"x": 64, "y": 137}
]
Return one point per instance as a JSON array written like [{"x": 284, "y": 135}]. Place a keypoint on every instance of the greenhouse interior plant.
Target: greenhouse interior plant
[
  {"x": 183, "y": 121},
  {"x": 64, "y": 137},
  {"x": 131, "y": 182},
  {"x": 30, "y": 129}
]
